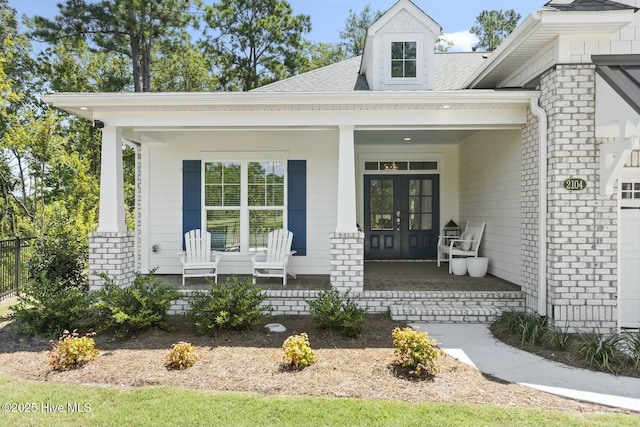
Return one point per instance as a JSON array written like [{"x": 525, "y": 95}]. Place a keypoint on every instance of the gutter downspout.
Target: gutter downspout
[{"x": 542, "y": 204}]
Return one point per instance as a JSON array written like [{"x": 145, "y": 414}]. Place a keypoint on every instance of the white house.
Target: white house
[{"x": 399, "y": 141}]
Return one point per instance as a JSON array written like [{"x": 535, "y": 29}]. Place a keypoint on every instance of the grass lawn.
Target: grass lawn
[{"x": 54, "y": 404}]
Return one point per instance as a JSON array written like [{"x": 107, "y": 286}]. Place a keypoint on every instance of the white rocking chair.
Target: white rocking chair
[
  {"x": 467, "y": 245},
  {"x": 274, "y": 261},
  {"x": 198, "y": 260}
]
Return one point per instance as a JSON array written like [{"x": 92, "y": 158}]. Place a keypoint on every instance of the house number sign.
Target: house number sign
[{"x": 575, "y": 184}]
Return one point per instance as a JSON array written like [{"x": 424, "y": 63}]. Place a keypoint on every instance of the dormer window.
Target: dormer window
[{"x": 403, "y": 59}]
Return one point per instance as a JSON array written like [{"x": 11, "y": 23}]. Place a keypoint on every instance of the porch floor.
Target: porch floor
[{"x": 378, "y": 276}]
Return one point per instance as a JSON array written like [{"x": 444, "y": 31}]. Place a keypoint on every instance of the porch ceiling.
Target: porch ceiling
[{"x": 415, "y": 136}]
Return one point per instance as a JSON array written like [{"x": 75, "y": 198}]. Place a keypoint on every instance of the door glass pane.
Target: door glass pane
[
  {"x": 420, "y": 204},
  {"x": 224, "y": 226},
  {"x": 381, "y": 204}
]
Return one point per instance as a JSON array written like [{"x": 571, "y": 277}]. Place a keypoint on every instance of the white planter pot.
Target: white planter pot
[
  {"x": 459, "y": 266},
  {"x": 477, "y": 267}
]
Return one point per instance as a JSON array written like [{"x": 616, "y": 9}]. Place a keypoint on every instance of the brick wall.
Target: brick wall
[
  {"x": 582, "y": 226},
  {"x": 530, "y": 212},
  {"x": 112, "y": 254},
  {"x": 347, "y": 261}
]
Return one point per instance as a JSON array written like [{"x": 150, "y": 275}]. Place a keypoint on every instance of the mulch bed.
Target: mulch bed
[{"x": 251, "y": 362}]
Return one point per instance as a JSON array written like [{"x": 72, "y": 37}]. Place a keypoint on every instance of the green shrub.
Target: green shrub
[
  {"x": 71, "y": 351},
  {"x": 529, "y": 327},
  {"x": 182, "y": 355},
  {"x": 602, "y": 350},
  {"x": 62, "y": 253},
  {"x": 234, "y": 305},
  {"x": 127, "y": 311},
  {"x": 297, "y": 353},
  {"x": 632, "y": 342},
  {"x": 46, "y": 307},
  {"x": 416, "y": 352},
  {"x": 556, "y": 338},
  {"x": 341, "y": 313}
]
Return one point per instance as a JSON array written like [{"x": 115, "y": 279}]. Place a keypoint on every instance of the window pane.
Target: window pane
[
  {"x": 231, "y": 195},
  {"x": 261, "y": 222},
  {"x": 396, "y": 50},
  {"x": 231, "y": 173},
  {"x": 222, "y": 184},
  {"x": 213, "y": 195},
  {"x": 409, "y": 50},
  {"x": 266, "y": 184},
  {"x": 224, "y": 226},
  {"x": 410, "y": 68},
  {"x": 213, "y": 173},
  {"x": 256, "y": 195},
  {"x": 397, "y": 69}
]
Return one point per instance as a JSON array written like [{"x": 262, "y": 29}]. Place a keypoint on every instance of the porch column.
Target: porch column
[
  {"x": 111, "y": 183},
  {"x": 346, "y": 182},
  {"x": 111, "y": 247},
  {"x": 347, "y": 243}
]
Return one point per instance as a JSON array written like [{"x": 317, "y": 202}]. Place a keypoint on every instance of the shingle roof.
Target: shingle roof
[
  {"x": 589, "y": 5},
  {"x": 452, "y": 71}
]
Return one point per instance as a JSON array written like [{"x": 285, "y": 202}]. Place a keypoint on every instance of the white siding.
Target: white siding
[
  {"x": 490, "y": 192},
  {"x": 164, "y": 197}
]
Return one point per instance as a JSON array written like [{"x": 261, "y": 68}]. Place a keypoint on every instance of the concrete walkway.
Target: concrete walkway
[{"x": 474, "y": 344}]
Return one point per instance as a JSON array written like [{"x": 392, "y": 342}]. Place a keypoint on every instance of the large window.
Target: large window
[
  {"x": 243, "y": 201},
  {"x": 403, "y": 59}
]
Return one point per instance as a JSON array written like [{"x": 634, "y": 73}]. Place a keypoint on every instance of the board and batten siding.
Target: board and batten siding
[
  {"x": 490, "y": 192},
  {"x": 163, "y": 198}
]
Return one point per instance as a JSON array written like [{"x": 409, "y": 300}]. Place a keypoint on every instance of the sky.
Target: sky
[{"x": 328, "y": 17}]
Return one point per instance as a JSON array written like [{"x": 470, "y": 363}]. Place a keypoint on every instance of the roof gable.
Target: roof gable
[{"x": 412, "y": 9}]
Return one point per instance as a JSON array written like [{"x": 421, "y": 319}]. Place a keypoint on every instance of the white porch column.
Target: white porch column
[
  {"x": 112, "y": 247},
  {"x": 346, "y": 182},
  {"x": 347, "y": 243},
  {"x": 111, "y": 182}
]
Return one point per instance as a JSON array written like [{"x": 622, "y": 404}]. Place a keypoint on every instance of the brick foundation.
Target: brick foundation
[
  {"x": 112, "y": 254},
  {"x": 347, "y": 261}
]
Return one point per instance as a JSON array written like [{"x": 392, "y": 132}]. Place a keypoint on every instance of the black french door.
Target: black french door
[{"x": 401, "y": 216}]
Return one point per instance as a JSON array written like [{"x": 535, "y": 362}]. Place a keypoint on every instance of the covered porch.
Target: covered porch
[
  {"x": 378, "y": 276},
  {"x": 408, "y": 291}
]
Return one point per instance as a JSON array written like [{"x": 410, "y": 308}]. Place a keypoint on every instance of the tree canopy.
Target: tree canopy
[
  {"x": 255, "y": 41},
  {"x": 493, "y": 26},
  {"x": 127, "y": 27},
  {"x": 355, "y": 30}
]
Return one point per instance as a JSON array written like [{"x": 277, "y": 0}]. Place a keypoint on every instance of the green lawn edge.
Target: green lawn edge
[{"x": 72, "y": 405}]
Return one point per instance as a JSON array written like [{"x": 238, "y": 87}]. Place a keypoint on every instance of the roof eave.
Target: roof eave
[
  {"x": 86, "y": 104},
  {"x": 578, "y": 21}
]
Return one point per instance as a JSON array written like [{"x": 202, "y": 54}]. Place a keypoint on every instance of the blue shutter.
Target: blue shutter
[
  {"x": 191, "y": 195},
  {"x": 297, "y": 204}
]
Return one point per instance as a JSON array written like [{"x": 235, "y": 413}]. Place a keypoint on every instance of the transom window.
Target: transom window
[
  {"x": 403, "y": 59},
  {"x": 243, "y": 201}
]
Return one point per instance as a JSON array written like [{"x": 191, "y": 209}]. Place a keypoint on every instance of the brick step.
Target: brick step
[{"x": 444, "y": 313}]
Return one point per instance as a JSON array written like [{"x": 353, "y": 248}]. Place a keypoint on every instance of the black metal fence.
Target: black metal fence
[{"x": 14, "y": 258}]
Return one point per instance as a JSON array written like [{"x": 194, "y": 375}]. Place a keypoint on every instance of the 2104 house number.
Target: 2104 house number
[{"x": 575, "y": 184}]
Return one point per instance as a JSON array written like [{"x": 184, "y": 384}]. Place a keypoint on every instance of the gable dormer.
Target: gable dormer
[{"x": 399, "y": 49}]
